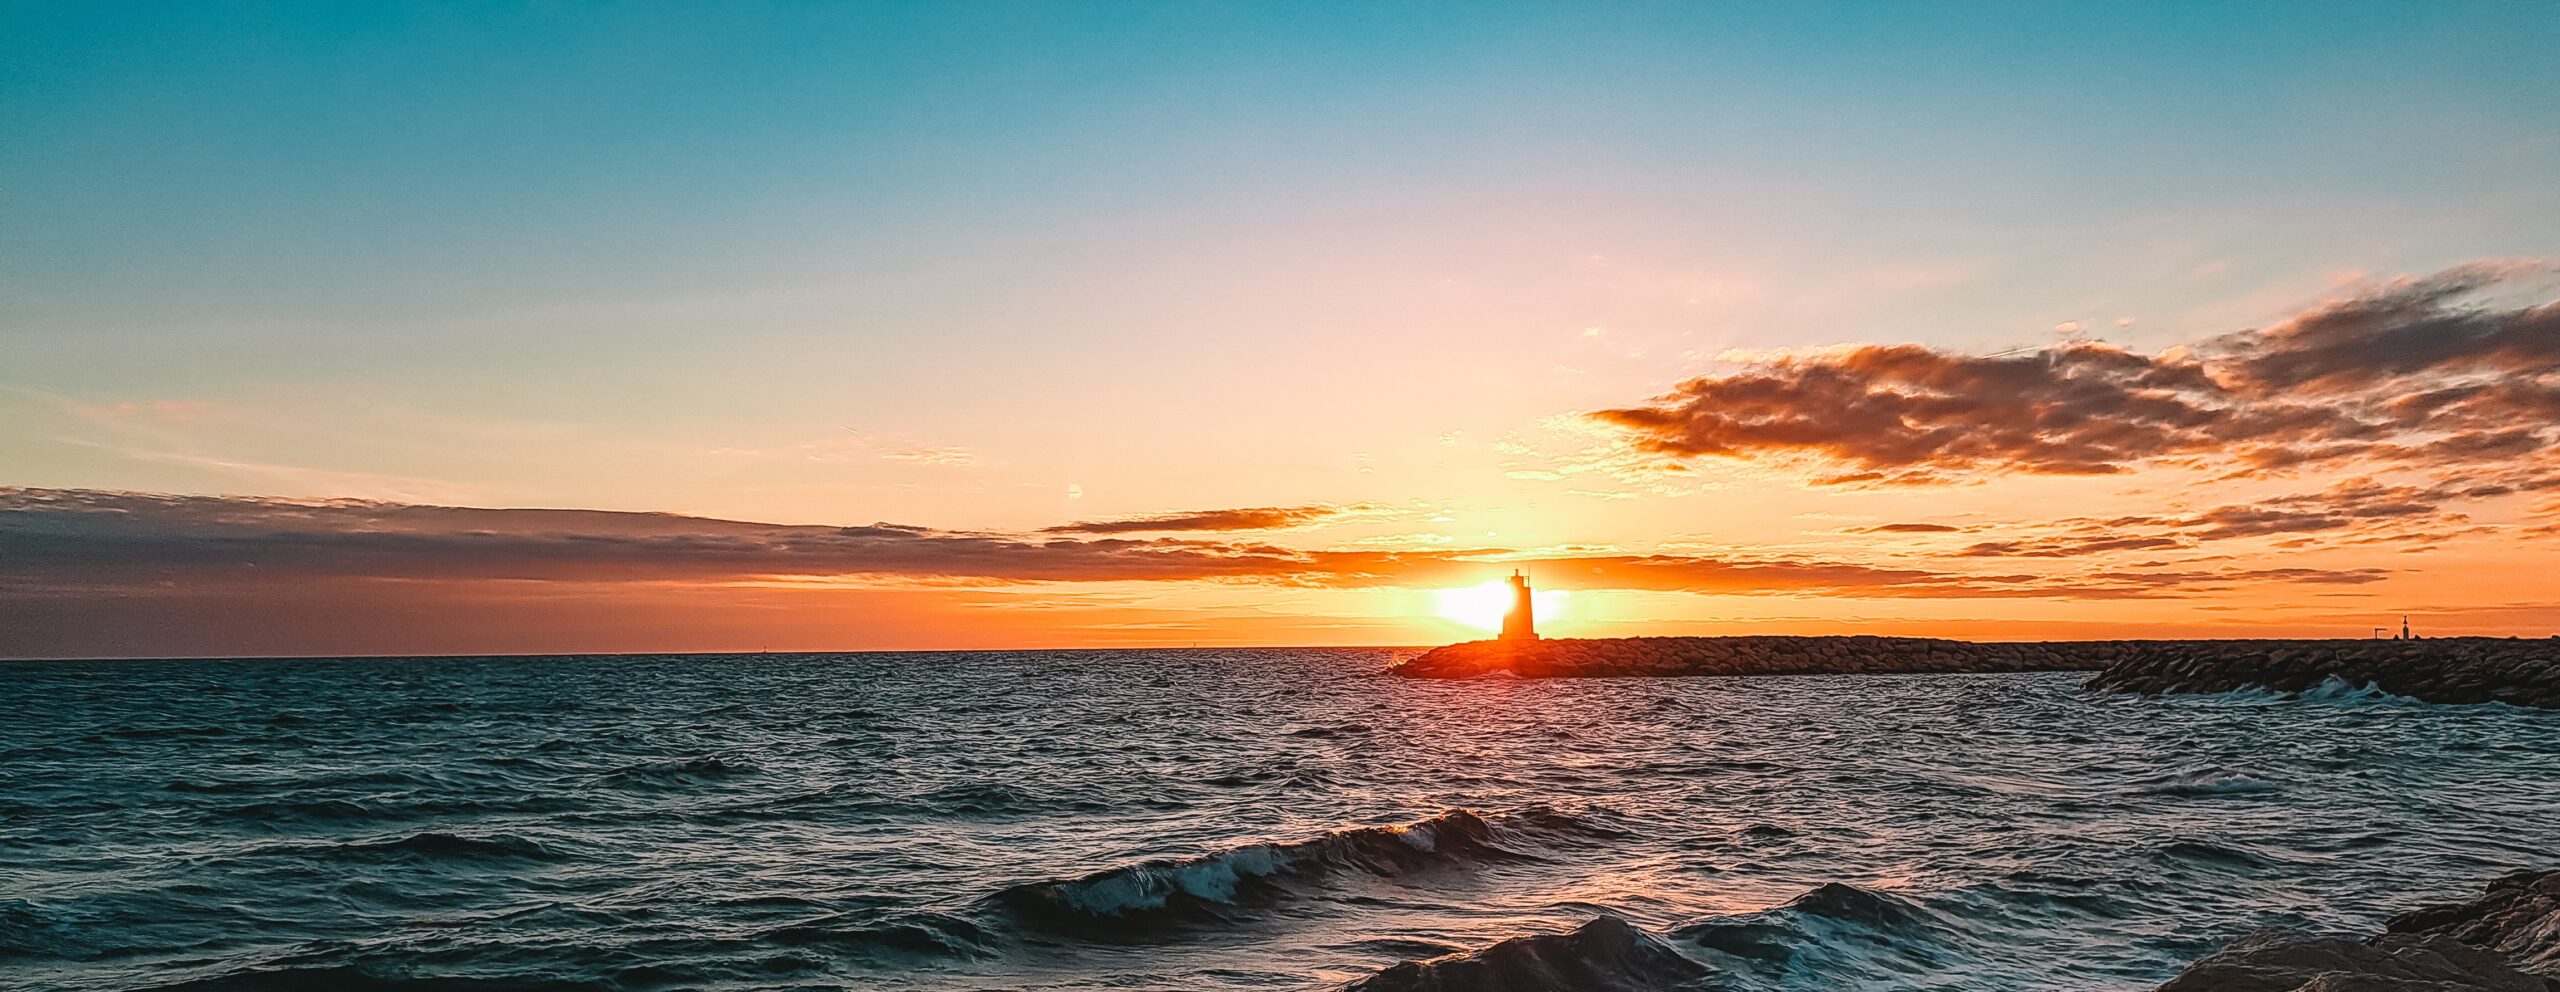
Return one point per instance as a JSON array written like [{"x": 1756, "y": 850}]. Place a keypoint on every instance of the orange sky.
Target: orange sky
[{"x": 2386, "y": 451}]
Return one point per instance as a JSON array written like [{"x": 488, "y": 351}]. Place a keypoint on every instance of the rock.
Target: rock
[
  {"x": 2285, "y": 962},
  {"x": 2508, "y": 940},
  {"x": 2445, "y": 670},
  {"x": 2518, "y": 917},
  {"x": 2450, "y": 670},
  {"x": 1605, "y": 954},
  {"x": 1764, "y": 655}
]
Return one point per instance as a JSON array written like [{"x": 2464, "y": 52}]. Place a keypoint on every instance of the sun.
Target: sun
[{"x": 1482, "y": 606}]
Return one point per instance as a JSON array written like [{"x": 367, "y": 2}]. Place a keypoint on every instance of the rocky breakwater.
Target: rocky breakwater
[
  {"x": 1609, "y": 657},
  {"x": 2441, "y": 670},
  {"x": 2445, "y": 670},
  {"x": 2507, "y": 940}
]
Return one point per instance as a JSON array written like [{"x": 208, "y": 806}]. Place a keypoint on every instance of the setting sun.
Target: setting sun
[{"x": 1481, "y": 606}]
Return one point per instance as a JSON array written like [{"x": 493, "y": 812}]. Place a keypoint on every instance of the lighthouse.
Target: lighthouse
[{"x": 1519, "y": 622}]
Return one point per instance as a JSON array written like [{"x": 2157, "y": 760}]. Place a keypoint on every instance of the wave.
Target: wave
[
  {"x": 2337, "y": 690},
  {"x": 2209, "y": 852},
  {"x": 299, "y": 812},
  {"x": 1607, "y": 954},
  {"x": 966, "y": 801},
  {"x": 1312, "y": 776},
  {"x": 2205, "y": 782},
  {"x": 330, "y": 978},
  {"x": 28, "y": 931},
  {"x": 434, "y": 845},
  {"x": 1836, "y": 931},
  {"x": 679, "y": 771},
  {"x": 1207, "y": 887},
  {"x": 159, "y": 733},
  {"x": 287, "y": 814},
  {"x": 1844, "y": 933},
  {"x": 2331, "y": 689},
  {"x": 919, "y": 935}
]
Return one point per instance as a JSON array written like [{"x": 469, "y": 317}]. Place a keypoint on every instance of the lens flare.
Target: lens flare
[{"x": 1481, "y": 606}]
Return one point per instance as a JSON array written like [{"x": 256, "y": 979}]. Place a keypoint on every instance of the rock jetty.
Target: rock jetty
[
  {"x": 1618, "y": 657},
  {"x": 2448, "y": 670},
  {"x": 2507, "y": 940},
  {"x": 2439, "y": 670}
]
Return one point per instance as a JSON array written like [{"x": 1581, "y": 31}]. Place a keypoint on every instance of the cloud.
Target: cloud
[
  {"x": 82, "y": 543},
  {"x": 75, "y": 533},
  {"x": 2069, "y": 547},
  {"x": 949, "y": 457},
  {"x": 2415, "y": 374},
  {"x": 1908, "y": 528},
  {"x": 2353, "y": 511},
  {"x": 1246, "y": 518}
]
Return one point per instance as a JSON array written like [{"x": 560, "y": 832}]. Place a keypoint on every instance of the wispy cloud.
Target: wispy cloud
[
  {"x": 1240, "y": 519},
  {"x": 2353, "y": 511}
]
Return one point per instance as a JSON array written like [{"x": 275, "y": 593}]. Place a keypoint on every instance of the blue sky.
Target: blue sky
[
  {"x": 979, "y": 225},
  {"x": 344, "y": 160}
]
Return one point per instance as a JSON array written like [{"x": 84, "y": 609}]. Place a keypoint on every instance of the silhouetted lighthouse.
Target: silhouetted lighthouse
[{"x": 1519, "y": 623}]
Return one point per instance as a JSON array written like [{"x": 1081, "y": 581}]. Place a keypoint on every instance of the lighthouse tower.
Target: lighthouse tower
[{"x": 1519, "y": 623}]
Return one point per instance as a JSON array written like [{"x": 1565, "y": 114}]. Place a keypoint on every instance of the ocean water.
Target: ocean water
[{"x": 1269, "y": 819}]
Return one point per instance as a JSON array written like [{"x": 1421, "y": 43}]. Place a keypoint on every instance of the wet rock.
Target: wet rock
[
  {"x": 2508, "y": 940},
  {"x": 1605, "y": 955},
  {"x": 2518, "y": 917},
  {"x": 2443, "y": 670},
  {"x": 2285, "y": 962}
]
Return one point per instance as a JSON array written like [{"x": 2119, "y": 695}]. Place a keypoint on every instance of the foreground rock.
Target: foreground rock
[
  {"x": 2517, "y": 918},
  {"x": 2439, "y": 670},
  {"x": 2508, "y": 940},
  {"x": 1605, "y": 954},
  {"x": 2447, "y": 670}
]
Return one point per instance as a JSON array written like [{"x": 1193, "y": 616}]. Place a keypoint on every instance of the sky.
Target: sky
[{"x": 393, "y": 328}]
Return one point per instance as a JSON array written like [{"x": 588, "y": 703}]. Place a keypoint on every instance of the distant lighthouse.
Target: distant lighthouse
[{"x": 1519, "y": 623}]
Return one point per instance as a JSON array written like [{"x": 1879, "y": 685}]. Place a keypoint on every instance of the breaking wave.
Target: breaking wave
[
  {"x": 1843, "y": 933},
  {"x": 1210, "y": 886}
]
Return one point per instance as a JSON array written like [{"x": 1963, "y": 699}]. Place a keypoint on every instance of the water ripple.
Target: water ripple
[{"x": 1199, "y": 819}]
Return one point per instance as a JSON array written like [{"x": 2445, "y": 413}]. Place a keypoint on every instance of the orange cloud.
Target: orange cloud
[
  {"x": 1248, "y": 518},
  {"x": 2414, "y": 375}
]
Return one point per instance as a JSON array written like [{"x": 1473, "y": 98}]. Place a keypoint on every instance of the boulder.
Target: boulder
[{"x": 2508, "y": 940}]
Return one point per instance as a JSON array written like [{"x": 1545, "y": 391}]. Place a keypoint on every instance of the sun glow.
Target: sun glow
[{"x": 1482, "y": 606}]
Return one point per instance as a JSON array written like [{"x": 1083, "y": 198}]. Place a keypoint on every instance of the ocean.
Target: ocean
[{"x": 1201, "y": 819}]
